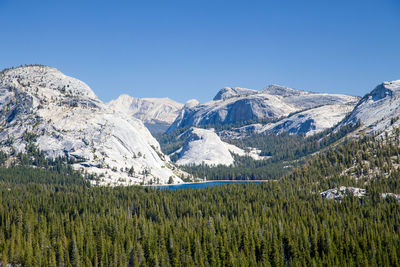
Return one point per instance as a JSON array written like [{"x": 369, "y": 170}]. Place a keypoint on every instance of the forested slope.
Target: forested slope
[
  {"x": 277, "y": 223},
  {"x": 284, "y": 152}
]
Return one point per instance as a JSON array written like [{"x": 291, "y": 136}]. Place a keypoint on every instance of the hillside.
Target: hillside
[
  {"x": 63, "y": 117},
  {"x": 271, "y": 223}
]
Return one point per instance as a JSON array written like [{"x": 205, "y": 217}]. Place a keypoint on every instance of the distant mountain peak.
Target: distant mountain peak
[
  {"x": 378, "y": 110},
  {"x": 191, "y": 103},
  {"x": 275, "y": 89},
  {"x": 393, "y": 85},
  {"x": 385, "y": 89},
  {"x": 124, "y": 97},
  {"x": 229, "y": 92},
  {"x": 157, "y": 113}
]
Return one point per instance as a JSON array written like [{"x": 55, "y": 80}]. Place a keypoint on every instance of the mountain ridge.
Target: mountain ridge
[{"x": 242, "y": 105}]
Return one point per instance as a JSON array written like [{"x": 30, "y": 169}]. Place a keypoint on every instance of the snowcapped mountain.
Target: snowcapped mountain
[
  {"x": 240, "y": 105},
  {"x": 203, "y": 146},
  {"x": 379, "y": 110},
  {"x": 65, "y": 118},
  {"x": 156, "y": 113}
]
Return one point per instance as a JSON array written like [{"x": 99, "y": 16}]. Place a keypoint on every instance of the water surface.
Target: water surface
[{"x": 201, "y": 184}]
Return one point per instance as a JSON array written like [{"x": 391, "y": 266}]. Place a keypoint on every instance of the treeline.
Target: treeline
[{"x": 288, "y": 146}]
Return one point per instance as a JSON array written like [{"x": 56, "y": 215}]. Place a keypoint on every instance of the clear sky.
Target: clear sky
[{"x": 190, "y": 49}]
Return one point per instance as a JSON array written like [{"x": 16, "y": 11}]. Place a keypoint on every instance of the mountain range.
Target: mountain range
[
  {"x": 240, "y": 106},
  {"x": 63, "y": 117}
]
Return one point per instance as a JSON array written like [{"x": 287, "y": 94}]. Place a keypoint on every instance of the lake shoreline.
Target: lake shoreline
[{"x": 204, "y": 184}]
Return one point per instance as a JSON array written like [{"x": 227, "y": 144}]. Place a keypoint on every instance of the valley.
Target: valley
[
  {"x": 240, "y": 134},
  {"x": 276, "y": 167},
  {"x": 199, "y": 133}
]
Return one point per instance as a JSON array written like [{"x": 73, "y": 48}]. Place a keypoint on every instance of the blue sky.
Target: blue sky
[{"x": 190, "y": 49}]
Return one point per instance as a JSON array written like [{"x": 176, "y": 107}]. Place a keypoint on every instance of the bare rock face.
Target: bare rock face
[
  {"x": 232, "y": 110},
  {"x": 307, "y": 122},
  {"x": 379, "y": 110},
  {"x": 203, "y": 146},
  {"x": 65, "y": 118},
  {"x": 277, "y": 103},
  {"x": 156, "y": 113},
  {"x": 275, "y": 89},
  {"x": 229, "y": 92},
  {"x": 340, "y": 192}
]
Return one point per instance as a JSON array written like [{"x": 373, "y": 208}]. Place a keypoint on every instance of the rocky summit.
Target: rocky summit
[
  {"x": 63, "y": 117},
  {"x": 379, "y": 110}
]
